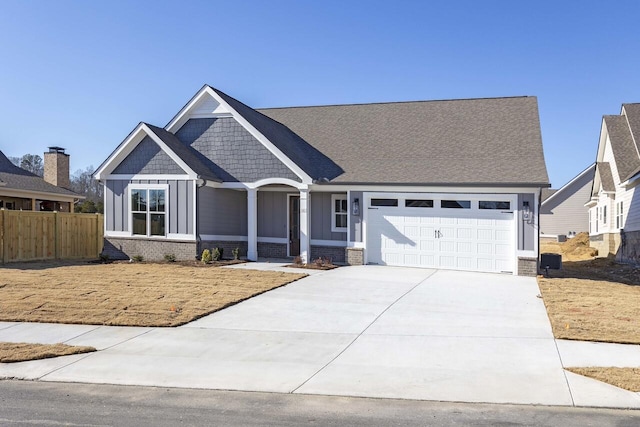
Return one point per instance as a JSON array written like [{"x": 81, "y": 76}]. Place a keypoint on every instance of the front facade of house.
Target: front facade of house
[
  {"x": 438, "y": 184},
  {"x": 563, "y": 211},
  {"x": 614, "y": 206}
]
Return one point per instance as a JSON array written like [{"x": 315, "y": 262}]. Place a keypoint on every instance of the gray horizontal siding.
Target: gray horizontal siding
[
  {"x": 222, "y": 212},
  {"x": 566, "y": 212},
  {"x": 321, "y": 218}
]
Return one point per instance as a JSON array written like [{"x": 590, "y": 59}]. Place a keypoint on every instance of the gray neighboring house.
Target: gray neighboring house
[
  {"x": 614, "y": 206},
  {"x": 440, "y": 184},
  {"x": 563, "y": 211},
  {"x": 23, "y": 190}
]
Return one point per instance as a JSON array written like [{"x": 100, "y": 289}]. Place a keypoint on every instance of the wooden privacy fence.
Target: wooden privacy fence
[{"x": 26, "y": 235}]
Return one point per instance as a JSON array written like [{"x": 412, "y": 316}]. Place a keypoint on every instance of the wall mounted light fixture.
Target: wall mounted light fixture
[{"x": 355, "y": 207}]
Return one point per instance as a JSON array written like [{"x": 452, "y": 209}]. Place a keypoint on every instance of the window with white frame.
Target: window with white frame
[
  {"x": 604, "y": 215},
  {"x": 149, "y": 211},
  {"x": 619, "y": 214},
  {"x": 339, "y": 213}
]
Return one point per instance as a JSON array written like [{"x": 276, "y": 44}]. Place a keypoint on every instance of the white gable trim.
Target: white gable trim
[
  {"x": 129, "y": 144},
  {"x": 224, "y": 111},
  {"x": 564, "y": 187}
]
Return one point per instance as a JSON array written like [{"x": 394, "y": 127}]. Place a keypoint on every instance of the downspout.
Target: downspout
[
  {"x": 196, "y": 226},
  {"x": 538, "y": 222}
]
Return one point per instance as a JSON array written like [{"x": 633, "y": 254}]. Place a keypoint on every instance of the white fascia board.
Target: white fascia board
[
  {"x": 125, "y": 177},
  {"x": 132, "y": 142},
  {"x": 208, "y": 91},
  {"x": 564, "y": 187},
  {"x": 421, "y": 189},
  {"x": 604, "y": 133}
]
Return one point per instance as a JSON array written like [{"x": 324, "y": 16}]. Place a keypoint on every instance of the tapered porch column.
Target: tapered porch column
[
  {"x": 305, "y": 228},
  {"x": 252, "y": 224}
]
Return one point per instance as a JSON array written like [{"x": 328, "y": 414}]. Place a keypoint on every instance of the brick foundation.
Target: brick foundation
[
  {"x": 149, "y": 249},
  {"x": 527, "y": 266},
  {"x": 272, "y": 250},
  {"x": 607, "y": 244},
  {"x": 354, "y": 256},
  {"x": 629, "y": 249},
  {"x": 335, "y": 253}
]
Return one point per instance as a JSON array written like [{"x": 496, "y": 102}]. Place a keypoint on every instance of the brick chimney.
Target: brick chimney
[{"x": 56, "y": 167}]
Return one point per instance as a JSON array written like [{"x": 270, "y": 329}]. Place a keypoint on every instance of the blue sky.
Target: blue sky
[{"x": 82, "y": 74}]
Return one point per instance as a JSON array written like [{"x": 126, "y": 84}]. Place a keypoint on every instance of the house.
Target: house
[
  {"x": 23, "y": 190},
  {"x": 614, "y": 206},
  {"x": 441, "y": 184},
  {"x": 563, "y": 211}
]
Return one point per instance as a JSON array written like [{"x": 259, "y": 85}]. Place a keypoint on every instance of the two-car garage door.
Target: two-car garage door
[{"x": 462, "y": 232}]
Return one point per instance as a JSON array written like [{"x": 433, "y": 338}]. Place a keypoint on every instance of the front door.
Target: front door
[{"x": 294, "y": 225}]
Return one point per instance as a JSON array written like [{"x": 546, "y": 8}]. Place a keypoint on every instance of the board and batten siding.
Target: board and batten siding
[
  {"x": 321, "y": 218},
  {"x": 565, "y": 211},
  {"x": 272, "y": 214},
  {"x": 222, "y": 212},
  {"x": 180, "y": 202}
]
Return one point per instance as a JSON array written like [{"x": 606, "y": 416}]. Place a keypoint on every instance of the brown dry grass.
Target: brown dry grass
[
  {"x": 592, "y": 299},
  {"x": 21, "y": 352},
  {"x": 627, "y": 378},
  {"x": 126, "y": 294}
]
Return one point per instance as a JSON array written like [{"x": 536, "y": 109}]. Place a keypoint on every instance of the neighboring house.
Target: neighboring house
[
  {"x": 441, "y": 184},
  {"x": 23, "y": 190},
  {"x": 563, "y": 211},
  {"x": 614, "y": 207}
]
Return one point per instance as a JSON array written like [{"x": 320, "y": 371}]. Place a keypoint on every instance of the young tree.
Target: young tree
[
  {"x": 82, "y": 182},
  {"x": 33, "y": 163}
]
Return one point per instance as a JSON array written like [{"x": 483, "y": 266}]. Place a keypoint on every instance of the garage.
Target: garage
[{"x": 471, "y": 232}]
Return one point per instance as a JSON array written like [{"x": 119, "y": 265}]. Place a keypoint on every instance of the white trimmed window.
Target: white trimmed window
[
  {"x": 604, "y": 215},
  {"x": 619, "y": 214},
  {"x": 149, "y": 210},
  {"x": 339, "y": 213}
]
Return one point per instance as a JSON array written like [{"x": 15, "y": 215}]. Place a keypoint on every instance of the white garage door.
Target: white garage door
[{"x": 422, "y": 230}]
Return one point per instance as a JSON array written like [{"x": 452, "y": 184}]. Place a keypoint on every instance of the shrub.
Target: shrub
[
  {"x": 170, "y": 257},
  {"x": 104, "y": 257},
  {"x": 217, "y": 254},
  {"x": 137, "y": 258},
  {"x": 297, "y": 260},
  {"x": 206, "y": 256},
  {"x": 236, "y": 253}
]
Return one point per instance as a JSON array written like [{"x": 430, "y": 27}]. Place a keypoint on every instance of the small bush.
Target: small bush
[
  {"x": 297, "y": 260},
  {"x": 137, "y": 258},
  {"x": 206, "y": 256},
  {"x": 217, "y": 254},
  {"x": 236, "y": 253},
  {"x": 104, "y": 257},
  {"x": 170, "y": 257}
]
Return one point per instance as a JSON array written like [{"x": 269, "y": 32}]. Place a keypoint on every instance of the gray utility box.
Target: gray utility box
[{"x": 551, "y": 261}]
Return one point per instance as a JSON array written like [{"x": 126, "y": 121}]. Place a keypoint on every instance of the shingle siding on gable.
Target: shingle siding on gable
[
  {"x": 231, "y": 152},
  {"x": 148, "y": 158}
]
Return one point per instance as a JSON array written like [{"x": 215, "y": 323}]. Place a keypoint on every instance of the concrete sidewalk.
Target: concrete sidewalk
[{"x": 355, "y": 331}]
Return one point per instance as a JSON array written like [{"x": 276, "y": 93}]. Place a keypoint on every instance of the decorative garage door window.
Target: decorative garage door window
[
  {"x": 492, "y": 204},
  {"x": 455, "y": 204},
  {"x": 418, "y": 203},
  {"x": 148, "y": 212},
  {"x": 384, "y": 202}
]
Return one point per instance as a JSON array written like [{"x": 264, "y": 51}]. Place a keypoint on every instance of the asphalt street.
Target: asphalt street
[{"x": 50, "y": 404}]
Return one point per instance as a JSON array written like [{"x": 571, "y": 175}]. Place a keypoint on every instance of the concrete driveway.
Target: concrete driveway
[{"x": 356, "y": 331}]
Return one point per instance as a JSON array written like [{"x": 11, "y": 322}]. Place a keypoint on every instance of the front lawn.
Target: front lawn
[
  {"x": 126, "y": 294},
  {"x": 21, "y": 352}
]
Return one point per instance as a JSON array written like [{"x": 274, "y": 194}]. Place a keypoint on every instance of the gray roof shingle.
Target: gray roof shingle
[
  {"x": 603, "y": 169},
  {"x": 470, "y": 141},
  {"x": 624, "y": 150},
  {"x": 17, "y": 178}
]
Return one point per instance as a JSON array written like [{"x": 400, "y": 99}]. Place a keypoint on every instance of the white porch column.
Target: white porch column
[
  {"x": 252, "y": 224},
  {"x": 305, "y": 227}
]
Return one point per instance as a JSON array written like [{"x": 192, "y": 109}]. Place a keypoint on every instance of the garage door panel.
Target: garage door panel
[{"x": 465, "y": 239}]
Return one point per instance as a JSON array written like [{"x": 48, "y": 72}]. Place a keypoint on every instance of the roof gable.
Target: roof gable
[
  {"x": 580, "y": 180},
  {"x": 622, "y": 145},
  {"x": 182, "y": 156}
]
